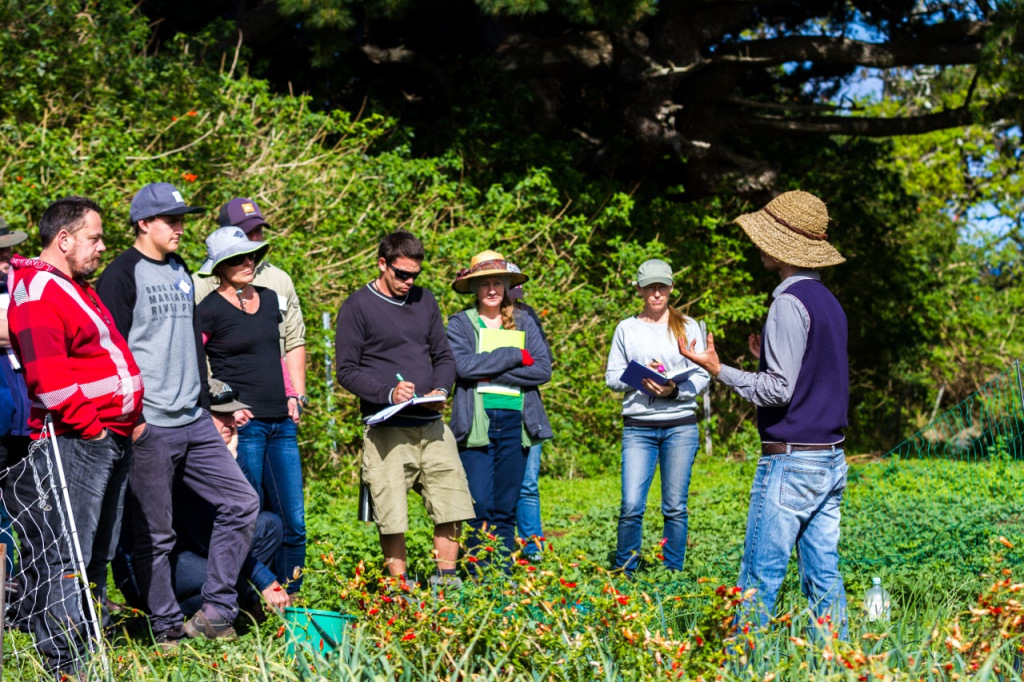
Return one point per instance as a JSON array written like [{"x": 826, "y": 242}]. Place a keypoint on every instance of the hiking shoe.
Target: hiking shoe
[
  {"x": 444, "y": 583},
  {"x": 201, "y": 625},
  {"x": 169, "y": 639}
]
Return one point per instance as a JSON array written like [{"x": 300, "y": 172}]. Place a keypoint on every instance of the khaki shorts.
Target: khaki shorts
[{"x": 421, "y": 458}]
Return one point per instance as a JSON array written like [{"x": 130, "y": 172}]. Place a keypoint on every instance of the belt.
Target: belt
[{"x": 784, "y": 448}]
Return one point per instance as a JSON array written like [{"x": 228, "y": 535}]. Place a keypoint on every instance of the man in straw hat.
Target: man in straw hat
[
  {"x": 390, "y": 346},
  {"x": 149, "y": 291},
  {"x": 801, "y": 391}
]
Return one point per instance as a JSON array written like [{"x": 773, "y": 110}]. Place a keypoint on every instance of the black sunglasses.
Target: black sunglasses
[
  {"x": 235, "y": 261},
  {"x": 403, "y": 275},
  {"x": 224, "y": 397}
]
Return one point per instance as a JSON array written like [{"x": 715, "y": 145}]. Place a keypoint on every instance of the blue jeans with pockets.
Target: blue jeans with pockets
[
  {"x": 644, "y": 448},
  {"x": 795, "y": 500},
  {"x": 268, "y": 453}
]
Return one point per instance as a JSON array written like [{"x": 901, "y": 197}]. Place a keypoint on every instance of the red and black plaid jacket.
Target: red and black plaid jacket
[{"x": 77, "y": 365}]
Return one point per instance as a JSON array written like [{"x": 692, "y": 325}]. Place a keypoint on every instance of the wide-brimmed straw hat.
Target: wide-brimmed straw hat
[
  {"x": 486, "y": 264},
  {"x": 225, "y": 242},
  {"x": 793, "y": 229}
]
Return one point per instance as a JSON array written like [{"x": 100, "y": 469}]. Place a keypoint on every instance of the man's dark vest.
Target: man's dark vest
[{"x": 817, "y": 411}]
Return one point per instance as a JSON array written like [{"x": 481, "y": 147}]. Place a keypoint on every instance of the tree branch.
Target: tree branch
[
  {"x": 869, "y": 126},
  {"x": 843, "y": 51}
]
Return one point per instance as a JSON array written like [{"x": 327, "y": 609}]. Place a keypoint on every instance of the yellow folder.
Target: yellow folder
[{"x": 490, "y": 339}]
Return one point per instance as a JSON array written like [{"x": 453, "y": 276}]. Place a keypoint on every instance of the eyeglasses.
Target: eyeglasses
[
  {"x": 224, "y": 397},
  {"x": 235, "y": 261},
  {"x": 403, "y": 275}
]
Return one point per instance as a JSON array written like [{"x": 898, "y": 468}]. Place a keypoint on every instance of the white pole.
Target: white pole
[
  {"x": 329, "y": 384},
  {"x": 76, "y": 546},
  {"x": 707, "y": 402}
]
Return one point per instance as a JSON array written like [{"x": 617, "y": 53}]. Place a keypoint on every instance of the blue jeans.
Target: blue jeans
[
  {"x": 495, "y": 475},
  {"x": 268, "y": 452},
  {"x": 528, "y": 508},
  {"x": 643, "y": 449},
  {"x": 795, "y": 501},
  {"x": 190, "y": 567}
]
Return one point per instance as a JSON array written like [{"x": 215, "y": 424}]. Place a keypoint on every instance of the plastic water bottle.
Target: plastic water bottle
[{"x": 876, "y": 601}]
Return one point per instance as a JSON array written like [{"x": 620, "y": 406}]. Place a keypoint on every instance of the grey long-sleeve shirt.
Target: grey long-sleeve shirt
[
  {"x": 782, "y": 346},
  {"x": 641, "y": 341}
]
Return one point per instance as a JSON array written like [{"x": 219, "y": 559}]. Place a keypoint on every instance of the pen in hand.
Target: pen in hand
[{"x": 399, "y": 377}]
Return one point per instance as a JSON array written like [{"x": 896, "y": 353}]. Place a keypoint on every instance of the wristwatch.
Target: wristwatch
[{"x": 303, "y": 399}]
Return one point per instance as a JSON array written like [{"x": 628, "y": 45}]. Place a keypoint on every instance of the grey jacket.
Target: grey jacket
[{"x": 503, "y": 366}]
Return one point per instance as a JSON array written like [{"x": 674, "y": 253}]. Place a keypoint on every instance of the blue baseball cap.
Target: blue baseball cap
[{"x": 159, "y": 198}]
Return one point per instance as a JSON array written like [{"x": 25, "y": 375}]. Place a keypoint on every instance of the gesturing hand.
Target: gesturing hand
[
  {"x": 754, "y": 344},
  {"x": 708, "y": 359}
]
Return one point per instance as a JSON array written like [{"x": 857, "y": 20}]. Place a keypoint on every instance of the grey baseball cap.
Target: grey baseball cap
[
  {"x": 159, "y": 198},
  {"x": 226, "y": 242},
  {"x": 654, "y": 271},
  {"x": 223, "y": 398}
]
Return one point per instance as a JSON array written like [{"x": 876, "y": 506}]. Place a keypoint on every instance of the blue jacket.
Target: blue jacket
[{"x": 503, "y": 366}]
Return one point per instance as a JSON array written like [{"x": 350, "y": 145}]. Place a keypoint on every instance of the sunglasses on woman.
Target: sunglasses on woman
[{"x": 235, "y": 261}]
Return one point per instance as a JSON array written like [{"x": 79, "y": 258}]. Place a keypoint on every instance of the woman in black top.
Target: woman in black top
[{"x": 240, "y": 329}]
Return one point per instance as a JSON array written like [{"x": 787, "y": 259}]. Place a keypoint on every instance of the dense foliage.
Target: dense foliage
[{"x": 88, "y": 108}]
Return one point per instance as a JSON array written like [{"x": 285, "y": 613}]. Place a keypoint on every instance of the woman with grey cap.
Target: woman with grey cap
[
  {"x": 240, "y": 325},
  {"x": 660, "y": 421}
]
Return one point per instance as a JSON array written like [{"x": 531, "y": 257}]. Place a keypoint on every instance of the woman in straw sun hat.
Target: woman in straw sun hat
[
  {"x": 801, "y": 391},
  {"x": 497, "y": 413},
  {"x": 659, "y": 422},
  {"x": 240, "y": 329}
]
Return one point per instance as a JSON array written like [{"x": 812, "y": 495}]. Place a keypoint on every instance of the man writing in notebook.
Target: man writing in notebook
[{"x": 391, "y": 346}]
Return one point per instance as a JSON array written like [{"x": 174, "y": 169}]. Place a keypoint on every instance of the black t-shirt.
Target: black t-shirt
[{"x": 243, "y": 351}]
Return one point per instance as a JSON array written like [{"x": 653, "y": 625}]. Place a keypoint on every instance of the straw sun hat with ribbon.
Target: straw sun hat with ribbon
[
  {"x": 486, "y": 264},
  {"x": 792, "y": 229}
]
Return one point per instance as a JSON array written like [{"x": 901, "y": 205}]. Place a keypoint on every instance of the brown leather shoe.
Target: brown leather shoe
[{"x": 201, "y": 625}]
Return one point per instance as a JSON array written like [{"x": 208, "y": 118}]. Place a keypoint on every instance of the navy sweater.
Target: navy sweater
[{"x": 379, "y": 337}]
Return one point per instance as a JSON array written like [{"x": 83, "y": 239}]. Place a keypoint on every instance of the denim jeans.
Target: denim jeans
[
  {"x": 528, "y": 508},
  {"x": 193, "y": 455},
  {"x": 96, "y": 473},
  {"x": 495, "y": 475},
  {"x": 189, "y": 567},
  {"x": 795, "y": 501},
  {"x": 643, "y": 449},
  {"x": 268, "y": 452}
]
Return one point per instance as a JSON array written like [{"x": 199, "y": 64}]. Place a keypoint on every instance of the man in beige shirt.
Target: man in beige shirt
[{"x": 245, "y": 213}]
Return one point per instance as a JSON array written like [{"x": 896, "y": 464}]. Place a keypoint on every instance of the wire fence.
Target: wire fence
[
  {"x": 945, "y": 492},
  {"x": 48, "y": 618}
]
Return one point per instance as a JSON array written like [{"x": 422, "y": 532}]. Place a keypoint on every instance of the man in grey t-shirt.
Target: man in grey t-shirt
[{"x": 148, "y": 290}]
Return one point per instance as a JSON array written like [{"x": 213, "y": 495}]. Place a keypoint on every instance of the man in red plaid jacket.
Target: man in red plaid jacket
[{"x": 79, "y": 370}]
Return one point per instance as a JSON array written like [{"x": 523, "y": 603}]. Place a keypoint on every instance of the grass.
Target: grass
[{"x": 927, "y": 528}]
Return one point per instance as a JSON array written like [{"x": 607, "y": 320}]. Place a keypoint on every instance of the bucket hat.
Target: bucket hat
[
  {"x": 793, "y": 228},
  {"x": 486, "y": 264},
  {"x": 653, "y": 271},
  {"x": 159, "y": 198},
  {"x": 8, "y": 238},
  {"x": 226, "y": 242},
  {"x": 514, "y": 293},
  {"x": 242, "y": 212}
]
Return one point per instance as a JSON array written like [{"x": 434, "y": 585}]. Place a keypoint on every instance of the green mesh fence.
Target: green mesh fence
[{"x": 944, "y": 493}]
